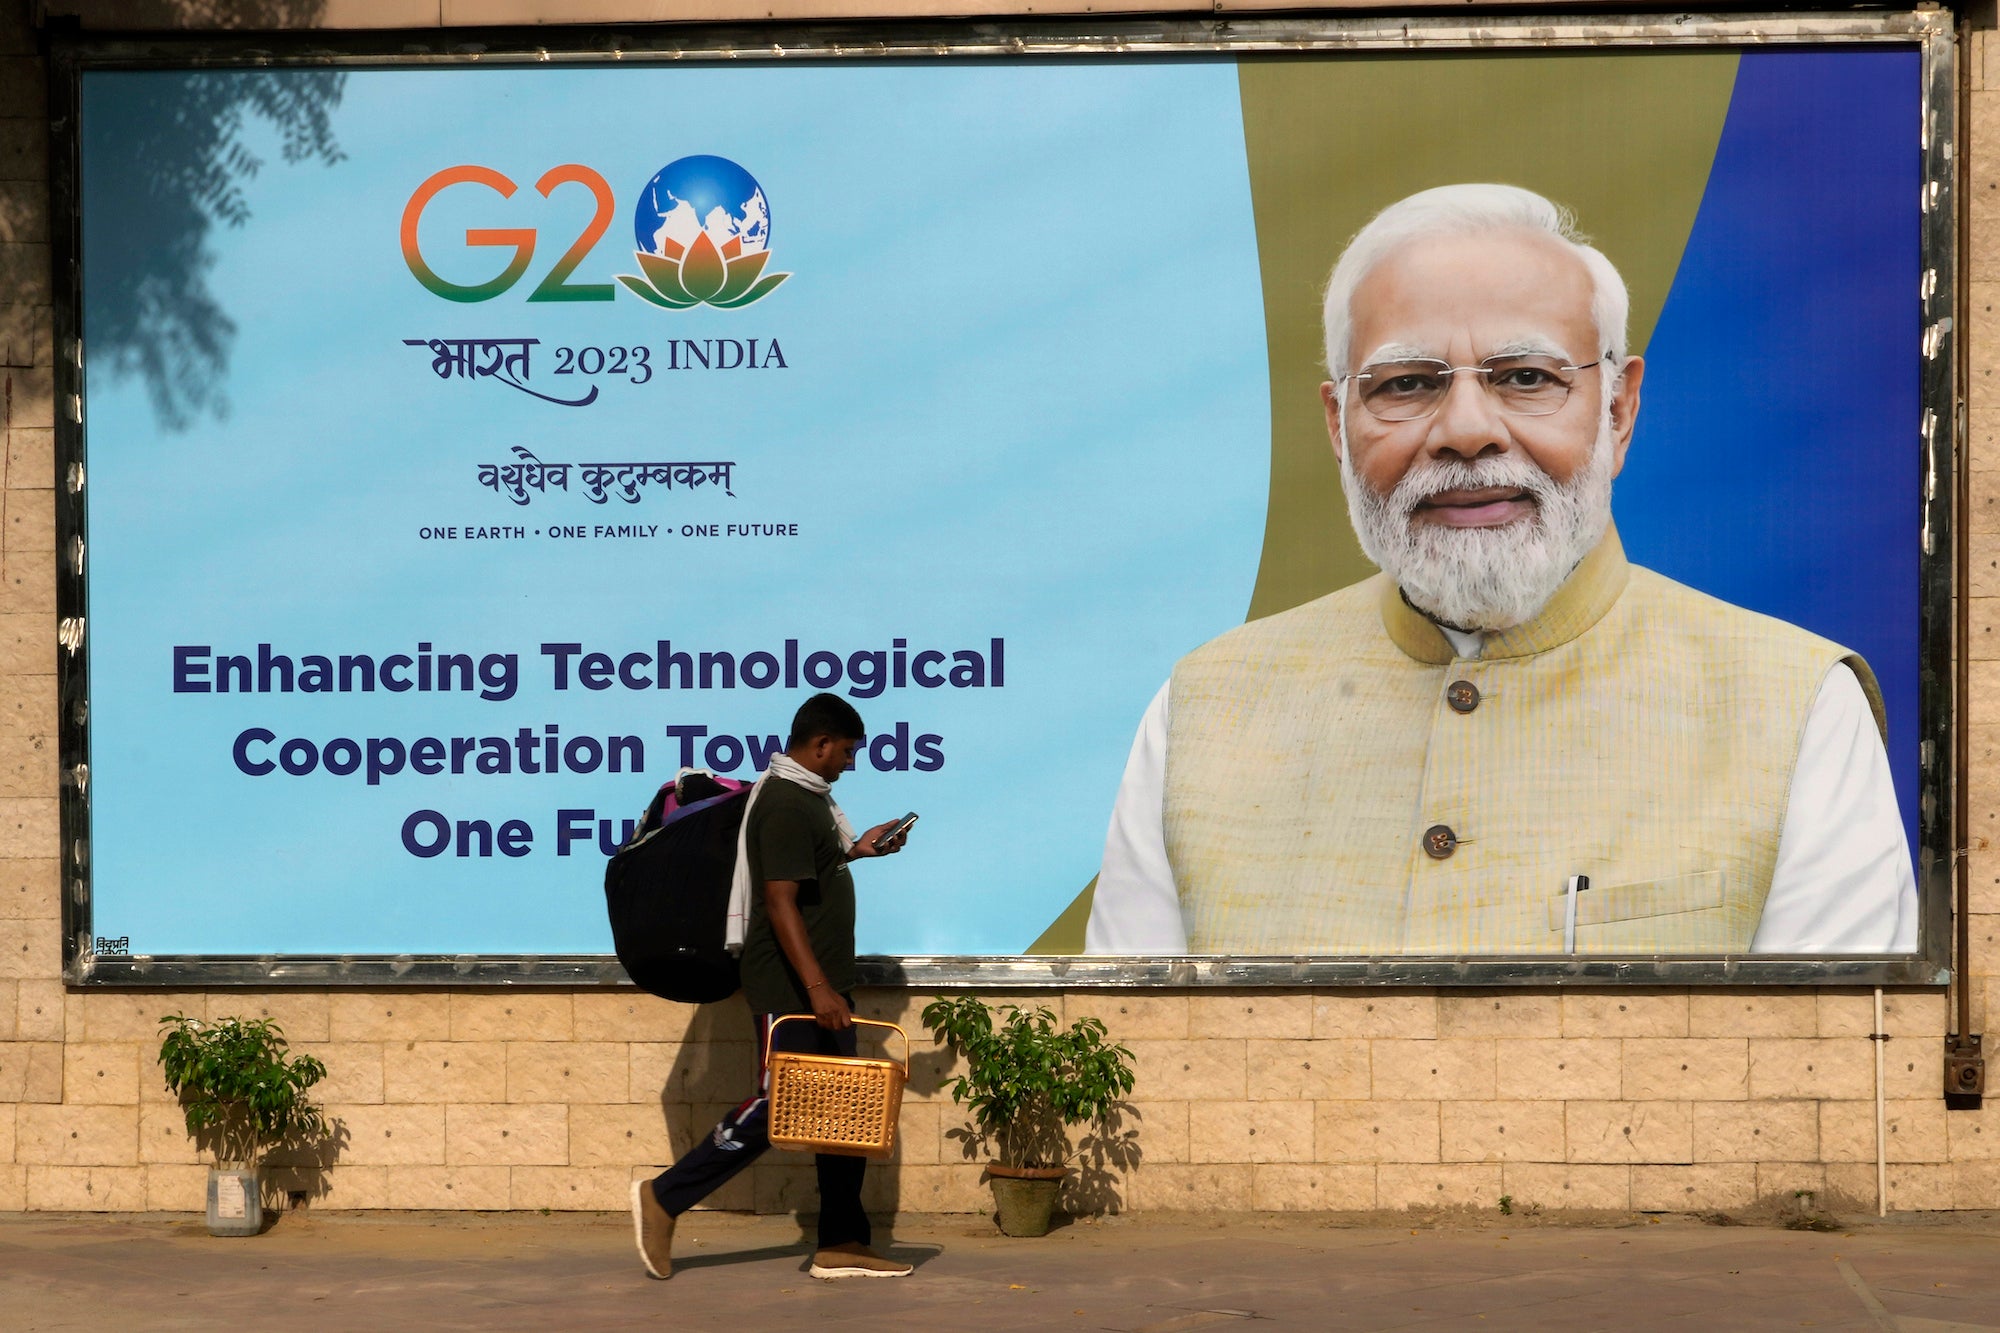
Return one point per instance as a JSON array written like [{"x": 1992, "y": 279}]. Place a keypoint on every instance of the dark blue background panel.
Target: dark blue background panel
[{"x": 1777, "y": 462}]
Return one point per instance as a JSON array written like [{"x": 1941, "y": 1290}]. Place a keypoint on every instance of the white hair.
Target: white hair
[{"x": 1460, "y": 210}]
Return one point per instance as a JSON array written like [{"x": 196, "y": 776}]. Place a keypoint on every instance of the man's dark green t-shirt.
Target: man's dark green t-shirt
[{"x": 792, "y": 836}]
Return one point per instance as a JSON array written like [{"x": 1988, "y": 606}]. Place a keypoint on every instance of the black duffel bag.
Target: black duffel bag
[{"x": 667, "y": 890}]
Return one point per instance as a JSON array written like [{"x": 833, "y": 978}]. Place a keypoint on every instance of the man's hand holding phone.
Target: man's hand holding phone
[{"x": 884, "y": 839}]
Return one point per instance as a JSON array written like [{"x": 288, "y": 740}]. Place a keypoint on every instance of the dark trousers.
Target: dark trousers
[{"x": 745, "y": 1133}]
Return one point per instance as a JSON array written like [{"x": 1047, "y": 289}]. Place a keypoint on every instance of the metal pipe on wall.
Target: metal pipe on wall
[
  {"x": 1962, "y": 483},
  {"x": 1881, "y": 1038},
  {"x": 1964, "y": 1070}
]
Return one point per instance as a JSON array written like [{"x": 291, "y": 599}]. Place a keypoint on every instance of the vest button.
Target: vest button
[
  {"x": 1462, "y": 695},
  {"x": 1439, "y": 841}
]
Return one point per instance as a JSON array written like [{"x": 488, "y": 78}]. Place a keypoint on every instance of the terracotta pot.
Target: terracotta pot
[{"x": 1025, "y": 1196}]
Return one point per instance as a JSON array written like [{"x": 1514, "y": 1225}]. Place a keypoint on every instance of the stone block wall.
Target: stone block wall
[
  {"x": 529, "y": 1099},
  {"x": 1267, "y": 1100}
]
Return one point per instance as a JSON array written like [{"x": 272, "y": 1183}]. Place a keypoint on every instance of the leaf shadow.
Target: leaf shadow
[{"x": 166, "y": 162}]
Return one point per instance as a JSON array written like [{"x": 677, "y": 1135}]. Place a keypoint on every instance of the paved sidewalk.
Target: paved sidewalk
[{"x": 1137, "y": 1275}]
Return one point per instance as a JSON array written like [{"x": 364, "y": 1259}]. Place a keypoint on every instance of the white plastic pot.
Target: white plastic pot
[{"x": 235, "y": 1201}]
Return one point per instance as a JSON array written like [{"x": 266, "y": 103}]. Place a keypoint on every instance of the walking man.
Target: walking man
[{"x": 795, "y": 900}]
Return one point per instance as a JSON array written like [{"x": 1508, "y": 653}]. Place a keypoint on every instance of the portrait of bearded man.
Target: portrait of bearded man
[{"x": 1511, "y": 740}]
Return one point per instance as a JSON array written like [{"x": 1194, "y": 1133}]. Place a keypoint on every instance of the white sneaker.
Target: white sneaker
[{"x": 854, "y": 1260}]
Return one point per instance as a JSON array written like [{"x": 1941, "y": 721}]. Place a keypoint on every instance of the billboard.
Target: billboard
[{"x": 470, "y": 449}]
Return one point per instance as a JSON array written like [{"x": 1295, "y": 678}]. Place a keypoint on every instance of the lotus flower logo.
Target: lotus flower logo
[{"x": 703, "y": 229}]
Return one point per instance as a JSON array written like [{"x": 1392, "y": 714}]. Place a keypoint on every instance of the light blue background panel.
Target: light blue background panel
[{"x": 1024, "y": 398}]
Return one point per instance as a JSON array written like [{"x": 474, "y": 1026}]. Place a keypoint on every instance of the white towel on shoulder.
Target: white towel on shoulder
[{"x": 785, "y": 767}]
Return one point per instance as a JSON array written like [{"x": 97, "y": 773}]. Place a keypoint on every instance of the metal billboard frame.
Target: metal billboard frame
[{"x": 1941, "y": 434}]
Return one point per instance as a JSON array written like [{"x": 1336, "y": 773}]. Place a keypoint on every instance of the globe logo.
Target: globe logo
[{"x": 703, "y": 232}]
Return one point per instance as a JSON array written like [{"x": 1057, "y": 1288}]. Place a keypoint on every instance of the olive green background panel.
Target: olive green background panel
[
  {"x": 1623, "y": 140},
  {"x": 1065, "y": 933}
]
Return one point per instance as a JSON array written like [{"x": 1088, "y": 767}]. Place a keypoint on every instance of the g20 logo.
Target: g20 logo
[{"x": 702, "y": 230}]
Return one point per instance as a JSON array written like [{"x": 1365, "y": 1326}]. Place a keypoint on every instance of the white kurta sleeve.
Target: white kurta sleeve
[
  {"x": 1842, "y": 882},
  {"x": 1136, "y": 909}
]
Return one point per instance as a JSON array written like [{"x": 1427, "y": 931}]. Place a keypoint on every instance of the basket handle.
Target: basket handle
[{"x": 870, "y": 1022}]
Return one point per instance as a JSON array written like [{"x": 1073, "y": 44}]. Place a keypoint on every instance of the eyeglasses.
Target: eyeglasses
[{"x": 1528, "y": 386}]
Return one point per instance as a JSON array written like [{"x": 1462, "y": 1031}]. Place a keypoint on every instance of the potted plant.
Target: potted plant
[
  {"x": 1027, "y": 1083},
  {"x": 243, "y": 1095}
]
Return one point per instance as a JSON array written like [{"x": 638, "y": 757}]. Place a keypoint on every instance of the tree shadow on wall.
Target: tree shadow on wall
[
  {"x": 299, "y": 1169},
  {"x": 1105, "y": 1157},
  {"x": 171, "y": 149}
]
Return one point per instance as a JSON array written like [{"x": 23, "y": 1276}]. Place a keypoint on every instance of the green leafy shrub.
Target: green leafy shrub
[
  {"x": 1028, "y": 1082},
  {"x": 241, "y": 1092}
]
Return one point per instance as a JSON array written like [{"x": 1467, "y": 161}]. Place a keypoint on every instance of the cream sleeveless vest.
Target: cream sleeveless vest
[{"x": 1338, "y": 782}]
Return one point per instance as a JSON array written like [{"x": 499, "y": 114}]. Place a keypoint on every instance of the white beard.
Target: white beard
[{"x": 1483, "y": 578}]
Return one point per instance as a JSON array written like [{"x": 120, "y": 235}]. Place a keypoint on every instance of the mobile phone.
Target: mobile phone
[{"x": 897, "y": 829}]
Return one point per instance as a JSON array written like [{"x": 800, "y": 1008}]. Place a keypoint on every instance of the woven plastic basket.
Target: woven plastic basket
[{"x": 839, "y": 1104}]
